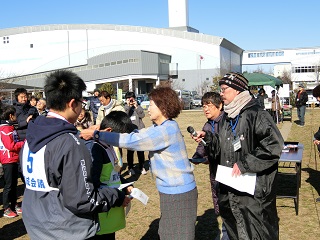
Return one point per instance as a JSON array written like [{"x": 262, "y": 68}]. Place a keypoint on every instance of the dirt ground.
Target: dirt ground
[{"x": 142, "y": 221}]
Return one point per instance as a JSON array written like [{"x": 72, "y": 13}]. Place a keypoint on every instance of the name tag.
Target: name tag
[
  {"x": 236, "y": 144},
  {"x": 133, "y": 118}
]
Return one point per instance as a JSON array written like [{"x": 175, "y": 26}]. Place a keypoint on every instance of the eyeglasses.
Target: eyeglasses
[
  {"x": 207, "y": 106},
  {"x": 82, "y": 101},
  {"x": 222, "y": 90}
]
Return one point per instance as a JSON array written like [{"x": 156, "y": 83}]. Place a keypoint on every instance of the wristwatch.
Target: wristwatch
[{"x": 96, "y": 135}]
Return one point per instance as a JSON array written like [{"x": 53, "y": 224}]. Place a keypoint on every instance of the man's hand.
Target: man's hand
[
  {"x": 236, "y": 171},
  {"x": 200, "y": 135}
]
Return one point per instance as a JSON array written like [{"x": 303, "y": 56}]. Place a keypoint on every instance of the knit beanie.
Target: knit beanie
[{"x": 236, "y": 81}]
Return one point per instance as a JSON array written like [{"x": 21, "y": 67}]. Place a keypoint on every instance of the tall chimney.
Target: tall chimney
[{"x": 178, "y": 13}]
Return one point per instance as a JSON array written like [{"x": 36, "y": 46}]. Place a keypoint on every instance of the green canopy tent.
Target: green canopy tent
[{"x": 261, "y": 79}]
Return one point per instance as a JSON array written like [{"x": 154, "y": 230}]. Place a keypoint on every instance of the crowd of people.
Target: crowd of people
[{"x": 70, "y": 159}]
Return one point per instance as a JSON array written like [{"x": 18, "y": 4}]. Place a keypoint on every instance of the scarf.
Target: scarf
[
  {"x": 108, "y": 107},
  {"x": 233, "y": 109}
]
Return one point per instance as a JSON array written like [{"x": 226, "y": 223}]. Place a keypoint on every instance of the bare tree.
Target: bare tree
[{"x": 286, "y": 77}]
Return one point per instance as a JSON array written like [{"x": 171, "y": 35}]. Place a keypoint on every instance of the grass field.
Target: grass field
[{"x": 142, "y": 221}]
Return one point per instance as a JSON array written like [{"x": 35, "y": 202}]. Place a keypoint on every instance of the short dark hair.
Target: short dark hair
[
  {"x": 96, "y": 90},
  {"x": 18, "y": 91},
  {"x": 212, "y": 97},
  {"x": 167, "y": 101},
  {"x": 33, "y": 97},
  {"x": 118, "y": 121},
  {"x": 7, "y": 110},
  {"x": 61, "y": 87},
  {"x": 130, "y": 95},
  {"x": 105, "y": 94}
]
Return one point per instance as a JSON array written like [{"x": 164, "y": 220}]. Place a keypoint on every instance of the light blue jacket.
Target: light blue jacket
[{"x": 167, "y": 153}]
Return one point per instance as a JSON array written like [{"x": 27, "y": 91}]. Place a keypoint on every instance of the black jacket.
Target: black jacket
[
  {"x": 69, "y": 211},
  {"x": 261, "y": 146},
  {"x": 301, "y": 99},
  {"x": 23, "y": 111}
]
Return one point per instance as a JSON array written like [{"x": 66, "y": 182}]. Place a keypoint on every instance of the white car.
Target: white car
[
  {"x": 145, "y": 103},
  {"x": 196, "y": 101}
]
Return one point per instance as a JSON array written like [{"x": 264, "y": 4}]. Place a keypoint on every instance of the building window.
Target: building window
[
  {"x": 5, "y": 40},
  {"x": 31, "y": 45},
  {"x": 183, "y": 80}
]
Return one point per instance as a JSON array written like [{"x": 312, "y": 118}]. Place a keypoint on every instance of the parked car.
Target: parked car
[
  {"x": 185, "y": 98},
  {"x": 196, "y": 101},
  {"x": 311, "y": 98},
  {"x": 145, "y": 103},
  {"x": 142, "y": 97}
]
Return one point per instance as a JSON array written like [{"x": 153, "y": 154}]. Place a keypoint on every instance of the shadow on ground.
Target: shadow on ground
[
  {"x": 207, "y": 227},
  {"x": 7, "y": 230},
  {"x": 313, "y": 179}
]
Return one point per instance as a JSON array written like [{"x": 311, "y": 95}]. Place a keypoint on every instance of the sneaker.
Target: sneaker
[
  {"x": 9, "y": 213},
  {"x": 18, "y": 209},
  {"x": 143, "y": 171},
  {"x": 131, "y": 172}
]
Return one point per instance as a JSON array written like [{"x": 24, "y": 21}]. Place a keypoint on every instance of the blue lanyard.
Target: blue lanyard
[
  {"x": 212, "y": 126},
  {"x": 233, "y": 126}
]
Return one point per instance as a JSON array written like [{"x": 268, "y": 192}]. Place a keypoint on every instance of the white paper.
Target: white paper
[
  {"x": 243, "y": 183},
  {"x": 125, "y": 185},
  {"x": 141, "y": 196}
]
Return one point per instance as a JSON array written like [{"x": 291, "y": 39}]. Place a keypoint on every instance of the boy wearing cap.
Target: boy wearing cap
[
  {"x": 249, "y": 142},
  {"x": 301, "y": 104}
]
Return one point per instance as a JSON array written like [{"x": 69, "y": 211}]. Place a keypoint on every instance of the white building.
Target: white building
[
  {"x": 303, "y": 64},
  {"x": 115, "y": 53}
]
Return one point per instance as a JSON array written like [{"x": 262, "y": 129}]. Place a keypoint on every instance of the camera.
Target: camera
[{"x": 131, "y": 100}]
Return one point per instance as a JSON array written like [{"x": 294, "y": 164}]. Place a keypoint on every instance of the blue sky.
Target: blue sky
[{"x": 252, "y": 24}]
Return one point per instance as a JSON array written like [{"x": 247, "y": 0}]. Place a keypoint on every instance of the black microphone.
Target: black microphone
[{"x": 193, "y": 133}]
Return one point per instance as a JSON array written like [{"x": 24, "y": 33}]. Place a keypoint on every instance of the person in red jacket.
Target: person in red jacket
[{"x": 10, "y": 146}]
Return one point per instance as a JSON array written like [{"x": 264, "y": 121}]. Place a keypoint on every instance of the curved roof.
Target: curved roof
[{"x": 200, "y": 37}]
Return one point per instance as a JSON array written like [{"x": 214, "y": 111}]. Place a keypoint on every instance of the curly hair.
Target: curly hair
[{"x": 167, "y": 101}]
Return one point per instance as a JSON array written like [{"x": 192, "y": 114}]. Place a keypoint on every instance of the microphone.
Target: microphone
[{"x": 193, "y": 133}]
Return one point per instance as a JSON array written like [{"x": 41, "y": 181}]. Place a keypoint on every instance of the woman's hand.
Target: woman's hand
[{"x": 87, "y": 133}]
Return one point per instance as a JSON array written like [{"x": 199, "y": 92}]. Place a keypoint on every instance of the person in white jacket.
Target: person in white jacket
[{"x": 107, "y": 105}]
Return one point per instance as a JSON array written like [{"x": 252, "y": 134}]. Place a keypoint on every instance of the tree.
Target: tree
[
  {"x": 215, "y": 83},
  {"x": 286, "y": 78},
  {"x": 108, "y": 88}
]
